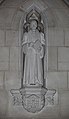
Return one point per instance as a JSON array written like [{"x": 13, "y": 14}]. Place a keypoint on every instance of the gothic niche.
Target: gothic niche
[{"x": 33, "y": 93}]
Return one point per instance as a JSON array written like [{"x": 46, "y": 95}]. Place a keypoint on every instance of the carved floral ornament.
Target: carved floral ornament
[{"x": 33, "y": 94}]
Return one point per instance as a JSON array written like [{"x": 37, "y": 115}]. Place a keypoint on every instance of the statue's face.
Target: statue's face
[{"x": 33, "y": 25}]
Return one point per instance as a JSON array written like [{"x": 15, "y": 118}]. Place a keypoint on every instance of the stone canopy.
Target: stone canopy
[{"x": 56, "y": 12}]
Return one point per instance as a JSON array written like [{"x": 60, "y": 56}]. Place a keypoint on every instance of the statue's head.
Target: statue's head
[
  {"x": 33, "y": 24},
  {"x": 33, "y": 21}
]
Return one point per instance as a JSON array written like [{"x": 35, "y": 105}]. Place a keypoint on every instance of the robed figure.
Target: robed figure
[{"x": 33, "y": 47}]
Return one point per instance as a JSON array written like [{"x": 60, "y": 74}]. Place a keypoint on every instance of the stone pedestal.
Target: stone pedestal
[{"x": 33, "y": 98}]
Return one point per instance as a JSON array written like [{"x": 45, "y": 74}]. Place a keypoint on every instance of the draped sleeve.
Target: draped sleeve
[
  {"x": 25, "y": 39},
  {"x": 42, "y": 38},
  {"x": 42, "y": 47},
  {"x": 25, "y": 43}
]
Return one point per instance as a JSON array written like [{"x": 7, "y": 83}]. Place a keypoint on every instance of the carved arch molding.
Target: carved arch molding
[{"x": 33, "y": 94}]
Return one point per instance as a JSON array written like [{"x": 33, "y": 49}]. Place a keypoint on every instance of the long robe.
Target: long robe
[{"x": 33, "y": 70}]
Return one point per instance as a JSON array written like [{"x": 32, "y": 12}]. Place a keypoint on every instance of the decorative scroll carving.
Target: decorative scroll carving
[
  {"x": 50, "y": 97},
  {"x": 17, "y": 98}
]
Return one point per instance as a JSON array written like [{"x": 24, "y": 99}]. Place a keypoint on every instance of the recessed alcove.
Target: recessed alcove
[{"x": 12, "y": 13}]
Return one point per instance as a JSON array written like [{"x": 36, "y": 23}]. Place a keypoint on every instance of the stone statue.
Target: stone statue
[{"x": 33, "y": 47}]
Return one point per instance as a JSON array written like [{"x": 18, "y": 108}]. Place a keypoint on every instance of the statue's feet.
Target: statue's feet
[{"x": 35, "y": 85}]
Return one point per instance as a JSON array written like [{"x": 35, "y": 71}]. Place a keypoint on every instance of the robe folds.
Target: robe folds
[{"x": 33, "y": 69}]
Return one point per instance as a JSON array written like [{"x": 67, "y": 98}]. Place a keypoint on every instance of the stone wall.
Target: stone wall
[{"x": 58, "y": 59}]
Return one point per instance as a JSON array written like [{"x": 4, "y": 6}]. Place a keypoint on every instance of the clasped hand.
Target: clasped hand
[{"x": 36, "y": 45}]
